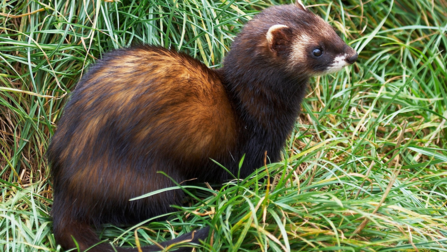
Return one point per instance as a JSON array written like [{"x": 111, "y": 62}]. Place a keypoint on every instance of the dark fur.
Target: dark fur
[{"x": 147, "y": 109}]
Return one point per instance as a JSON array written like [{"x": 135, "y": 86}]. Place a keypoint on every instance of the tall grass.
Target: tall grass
[{"x": 364, "y": 170}]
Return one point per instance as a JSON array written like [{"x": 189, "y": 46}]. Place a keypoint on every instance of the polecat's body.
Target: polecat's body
[{"x": 148, "y": 109}]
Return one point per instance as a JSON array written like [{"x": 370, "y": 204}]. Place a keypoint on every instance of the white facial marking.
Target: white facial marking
[
  {"x": 298, "y": 54},
  {"x": 273, "y": 28},
  {"x": 337, "y": 65}
]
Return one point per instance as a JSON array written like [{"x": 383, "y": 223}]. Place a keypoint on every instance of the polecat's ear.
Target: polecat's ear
[
  {"x": 301, "y": 5},
  {"x": 279, "y": 38}
]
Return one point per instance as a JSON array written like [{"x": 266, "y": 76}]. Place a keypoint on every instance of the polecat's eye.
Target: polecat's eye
[{"x": 317, "y": 52}]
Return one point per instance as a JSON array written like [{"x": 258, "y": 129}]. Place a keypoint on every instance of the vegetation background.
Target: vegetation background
[{"x": 364, "y": 170}]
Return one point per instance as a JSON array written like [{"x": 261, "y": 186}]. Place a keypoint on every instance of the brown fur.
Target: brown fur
[{"x": 147, "y": 109}]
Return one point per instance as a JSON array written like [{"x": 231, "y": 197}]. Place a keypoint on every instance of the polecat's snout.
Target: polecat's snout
[
  {"x": 351, "y": 56},
  {"x": 345, "y": 57},
  {"x": 352, "y": 59}
]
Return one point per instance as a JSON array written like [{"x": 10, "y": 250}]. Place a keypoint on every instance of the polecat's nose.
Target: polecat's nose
[{"x": 352, "y": 59}]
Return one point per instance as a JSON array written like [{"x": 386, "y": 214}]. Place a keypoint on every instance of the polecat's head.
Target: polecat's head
[{"x": 302, "y": 41}]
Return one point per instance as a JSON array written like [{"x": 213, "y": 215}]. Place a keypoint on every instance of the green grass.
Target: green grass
[{"x": 369, "y": 146}]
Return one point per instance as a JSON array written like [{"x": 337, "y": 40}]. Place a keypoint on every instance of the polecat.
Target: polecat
[{"x": 146, "y": 109}]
